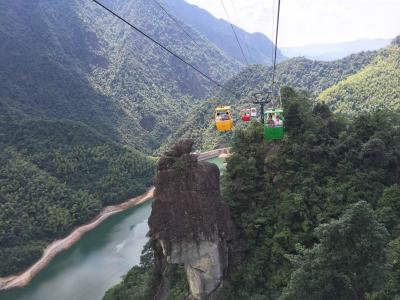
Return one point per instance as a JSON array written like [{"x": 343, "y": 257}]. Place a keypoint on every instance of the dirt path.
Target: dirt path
[{"x": 58, "y": 246}]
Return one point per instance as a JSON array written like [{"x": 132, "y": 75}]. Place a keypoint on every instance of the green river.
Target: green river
[{"x": 96, "y": 262}]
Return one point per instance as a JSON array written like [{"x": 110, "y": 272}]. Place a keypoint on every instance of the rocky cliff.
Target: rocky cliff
[{"x": 191, "y": 222}]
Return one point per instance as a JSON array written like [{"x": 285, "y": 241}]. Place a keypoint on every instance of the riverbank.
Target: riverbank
[{"x": 56, "y": 247}]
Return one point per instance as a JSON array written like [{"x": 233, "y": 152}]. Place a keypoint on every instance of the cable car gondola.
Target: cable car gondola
[
  {"x": 223, "y": 118},
  {"x": 245, "y": 115},
  {"x": 274, "y": 124}
]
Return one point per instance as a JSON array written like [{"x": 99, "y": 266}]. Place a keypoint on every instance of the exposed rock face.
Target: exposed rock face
[{"x": 189, "y": 219}]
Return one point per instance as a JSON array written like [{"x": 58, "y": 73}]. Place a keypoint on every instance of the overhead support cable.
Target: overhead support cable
[
  {"x": 276, "y": 44},
  {"x": 243, "y": 37},
  {"x": 176, "y": 21},
  {"x": 273, "y": 32},
  {"x": 234, "y": 32},
  {"x": 160, "y": 45},
  {"x": 261, "y": 97}
]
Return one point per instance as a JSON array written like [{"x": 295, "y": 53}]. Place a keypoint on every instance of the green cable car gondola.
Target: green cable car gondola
[{"x": 274, "y": 124}]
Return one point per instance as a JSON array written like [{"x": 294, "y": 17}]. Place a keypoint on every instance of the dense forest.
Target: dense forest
[
  {"x": 374, "y": 87},
  {"x": 311, "y": 76},
  {"x": 54, "y": 176},
  {"x": 319, "y": 212},
  {"x": 80, "y": 96},
  {"x": 72, "y": 60},
  {"x": 84, "y": 101},
  {"x": 364, "y": 81}
]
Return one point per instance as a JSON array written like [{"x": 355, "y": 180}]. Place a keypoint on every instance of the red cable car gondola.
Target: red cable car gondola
[{"x": 245, "y": 114}]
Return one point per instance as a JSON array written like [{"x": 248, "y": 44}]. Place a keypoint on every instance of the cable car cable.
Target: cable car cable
[
  {"x": 176, "y": 20},
  {"x": 234, "y": 32},
  {"x": 161, "y": 45},
  {"x": 264, "y": 100},
  {"x": 238, "y": 19},
  {"x": 276, "y": 45},
  {"x": 272, "y": 31},
  {"x": 173, "y": 18}
]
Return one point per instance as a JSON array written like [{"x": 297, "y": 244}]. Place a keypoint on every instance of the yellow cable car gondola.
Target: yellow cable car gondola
[{"x": 223, "y": 118}]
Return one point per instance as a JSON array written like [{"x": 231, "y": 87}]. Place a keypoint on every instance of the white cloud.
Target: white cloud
[{"x": 313, "y": 21}]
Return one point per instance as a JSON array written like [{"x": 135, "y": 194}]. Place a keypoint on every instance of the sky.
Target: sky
[{"x": 305, "y": 22}]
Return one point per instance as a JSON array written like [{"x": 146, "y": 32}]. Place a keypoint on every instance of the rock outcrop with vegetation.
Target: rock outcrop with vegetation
[{"x": 190, "y": 221}]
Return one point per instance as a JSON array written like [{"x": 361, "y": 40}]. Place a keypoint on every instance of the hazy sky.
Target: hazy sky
[{"x": 313, "y": 21}]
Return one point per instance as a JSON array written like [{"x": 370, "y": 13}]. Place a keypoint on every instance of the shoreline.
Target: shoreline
[{"x": 56, "y": 247}]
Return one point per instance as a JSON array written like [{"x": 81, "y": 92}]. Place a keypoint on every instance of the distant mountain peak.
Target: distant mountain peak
[
  {"x": 334, "y": 51},
  {"x": 396, "y": 41},
  {"x": 256, "y": 46}
]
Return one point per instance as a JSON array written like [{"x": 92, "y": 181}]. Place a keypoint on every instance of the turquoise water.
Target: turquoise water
[
  {"x": 218, "y": 161},
  {"x": 95, "y": 263}
]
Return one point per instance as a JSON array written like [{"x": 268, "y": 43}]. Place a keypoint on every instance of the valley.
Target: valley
[{"x": 91, "y": 112}]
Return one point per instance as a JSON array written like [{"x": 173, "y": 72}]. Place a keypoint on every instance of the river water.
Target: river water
[{"x": 95, "y": 263}]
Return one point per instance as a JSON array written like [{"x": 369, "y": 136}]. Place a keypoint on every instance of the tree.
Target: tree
[
  {"x": 389, "y": 211},
  {"x": 346, "y": 264}
]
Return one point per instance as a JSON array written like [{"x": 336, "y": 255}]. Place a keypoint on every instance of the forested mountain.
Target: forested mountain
[
  {"x": 336, "y": 51},
  {"x": 256, "y": 46},
  {"x": 76, "y": 87},
  {"x": 318, "y": 212},
  {"x": 72, "y": 60},
  {"x": 307, "y": 75},
  {"x": 377, "y": 86},
  {"x": 316, "y": 209},
  {"x": 54, "y": 176}
]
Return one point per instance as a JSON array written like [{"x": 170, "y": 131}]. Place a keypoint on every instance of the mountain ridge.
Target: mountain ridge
[
  {"x": 334, "y": 51},
  {"x": 85, "y": 65},
  {"x": 257, "y": 47}
]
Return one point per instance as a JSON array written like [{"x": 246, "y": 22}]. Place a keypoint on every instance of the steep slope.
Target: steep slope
[
  {"x": 319, "y": 212},
  {"x": 54, "y": 176},
  {"x": 374, "y": 87},
  {"x": 310, "y": 76},
  {"x": 71, "y": 60},
  {"x": 256, "y": 46},
  {"x": 280, "y": 193}
]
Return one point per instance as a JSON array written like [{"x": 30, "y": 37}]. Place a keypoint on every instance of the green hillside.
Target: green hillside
[
  {"x": 71, "y": 60},
  {"x": 315, "y": 209},
  {"x": 79, "y": 91},
  {"x": 54, "y": 176},
  {"x": 377, "y": 86},
  {"x": 318, "y": 212},
  {"x": 310, "y": 76}
]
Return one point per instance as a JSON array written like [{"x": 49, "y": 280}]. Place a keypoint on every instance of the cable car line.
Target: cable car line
[
  {"x": 234, "y": 32},
  {"x": 238, "y": 19},
  {"x": 260, "y": 97},
  {"x": 274, "y": 127},
  {"x": 161, "y": 45},
  {"x": 173, "y": 18},
  {"x": 276, "y": 44},
  {"x": 178, "y": 23},
  {"x": 272, "y": 31}
]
